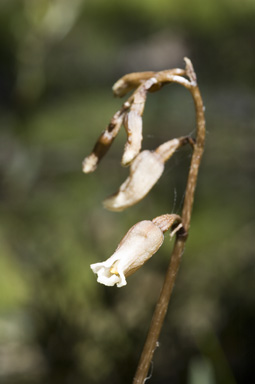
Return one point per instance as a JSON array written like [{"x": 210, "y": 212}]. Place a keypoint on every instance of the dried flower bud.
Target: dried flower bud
[
  {"x": 137, "y": 246},
  {"x": 145, "y": 171},
  {"x": 103, "y": 143}
]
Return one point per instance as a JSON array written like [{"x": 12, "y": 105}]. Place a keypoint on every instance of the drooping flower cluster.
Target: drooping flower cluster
[{"x": 146, "y": 167}]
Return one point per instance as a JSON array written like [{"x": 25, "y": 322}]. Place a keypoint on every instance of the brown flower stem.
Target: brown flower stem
[{"x": 165, "y": 295}]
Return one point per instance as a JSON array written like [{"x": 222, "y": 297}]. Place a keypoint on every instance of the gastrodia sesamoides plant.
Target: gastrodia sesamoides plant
[
  {"x": 144, "y": 239},
  {"x": 137, "y": 246}
]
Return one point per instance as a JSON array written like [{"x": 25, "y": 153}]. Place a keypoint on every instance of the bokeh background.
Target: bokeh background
[{"x": 58, "y": 61}]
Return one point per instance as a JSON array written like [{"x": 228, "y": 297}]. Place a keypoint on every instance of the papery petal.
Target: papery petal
[
  {"x": 133, "y": 124},
  {"x": 136, "y": 247},
  {"x": 145, "y": 171},
  {"x": 167, "y": 149}
]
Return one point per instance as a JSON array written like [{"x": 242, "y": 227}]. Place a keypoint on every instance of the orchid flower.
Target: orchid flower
[
  {"x": 137, "y": 246},
  {"x": 145, "y": 171}
]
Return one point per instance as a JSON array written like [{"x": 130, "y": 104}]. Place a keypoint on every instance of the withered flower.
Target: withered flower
[
  {"x": 103, "y": 143},
  {"x": 145, "y": 171},
  {"x": 130, "y": 115},
  {"x": 136, "y": 247},
  {"x": 133, "y": 124}
]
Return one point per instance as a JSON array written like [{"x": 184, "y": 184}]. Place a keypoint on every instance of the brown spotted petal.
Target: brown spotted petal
[
  {"x": 133, "y": 124},
  {"x": 145, "y": 171},
  {"x": 103, "y": 143}
]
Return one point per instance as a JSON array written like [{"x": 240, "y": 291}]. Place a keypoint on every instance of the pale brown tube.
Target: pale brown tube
[{"x": 145, "y": 171}]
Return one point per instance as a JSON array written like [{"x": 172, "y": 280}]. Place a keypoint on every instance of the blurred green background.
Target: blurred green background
[{"x": 58, "y": 61}]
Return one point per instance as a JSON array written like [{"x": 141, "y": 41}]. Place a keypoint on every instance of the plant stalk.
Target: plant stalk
[{"x": 173, "y": 268}]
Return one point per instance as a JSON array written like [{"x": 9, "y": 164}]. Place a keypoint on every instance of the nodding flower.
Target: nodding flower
[
  {"x": 137, "y": 246},
  {"x": 145, "y": 171}
]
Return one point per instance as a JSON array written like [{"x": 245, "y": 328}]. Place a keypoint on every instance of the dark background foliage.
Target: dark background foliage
[{"x": 58, "y": 61}]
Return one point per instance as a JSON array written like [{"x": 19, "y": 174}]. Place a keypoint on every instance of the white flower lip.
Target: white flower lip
[{"x": 136, "y": 247}]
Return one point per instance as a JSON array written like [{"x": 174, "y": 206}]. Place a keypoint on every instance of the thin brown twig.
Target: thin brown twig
[{"x": 172, "y": 271}]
